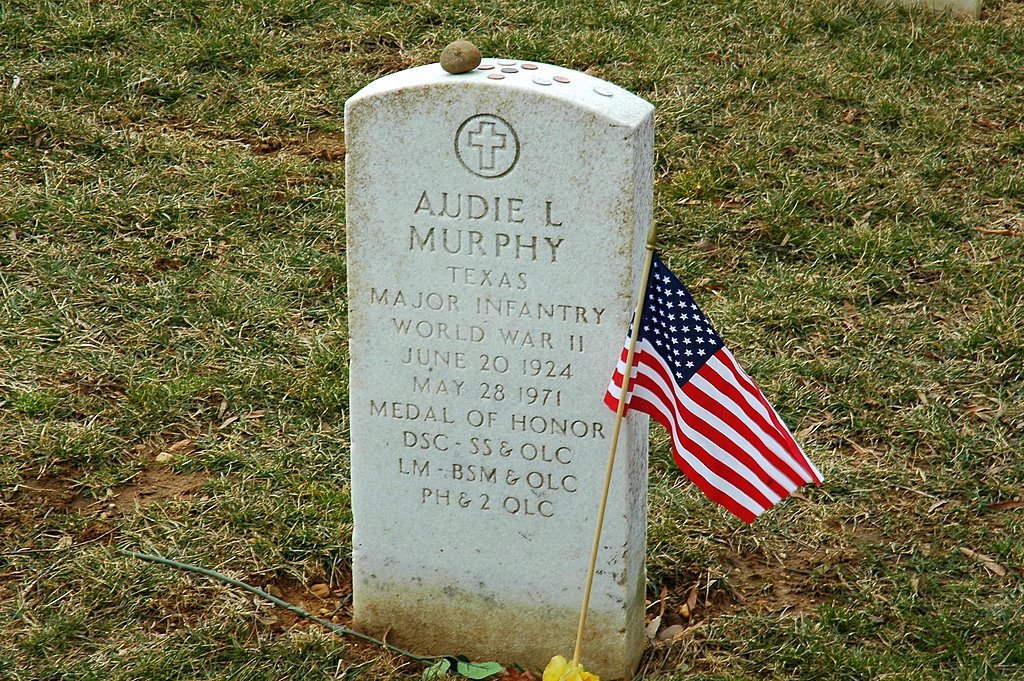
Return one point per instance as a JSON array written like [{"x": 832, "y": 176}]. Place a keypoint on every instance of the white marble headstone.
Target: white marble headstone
[
  {"x": 496, "y": 230},
  {"x": 970, "y": 9}
]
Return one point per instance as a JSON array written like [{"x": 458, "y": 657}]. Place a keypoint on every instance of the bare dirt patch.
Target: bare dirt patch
[
  {"x": 317, "y": 147},
  {"x": 49, "y": 491},
  {"x": 61, "y": 493},
  {"x": 784, "y": 586},
  {"x": 150, "y": 485},
  {"x": 92, "y": 385},
  {"x": 331, "y": 601}
]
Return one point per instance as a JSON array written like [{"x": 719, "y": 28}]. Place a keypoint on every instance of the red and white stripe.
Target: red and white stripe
[{"x": 725, "y": 436}]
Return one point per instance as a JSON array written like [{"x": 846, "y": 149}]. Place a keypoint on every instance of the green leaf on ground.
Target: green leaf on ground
[
  {"x": 438, "y": 670},
  {"x": 478, "y": 670}
]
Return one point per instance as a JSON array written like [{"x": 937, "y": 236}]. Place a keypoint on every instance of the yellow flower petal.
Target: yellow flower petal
[
  {"x": 560, "y": 669},
  {"x": 556, "y": 667}
]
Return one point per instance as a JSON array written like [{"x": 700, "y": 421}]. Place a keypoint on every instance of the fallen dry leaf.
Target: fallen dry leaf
[
  {"x": 182, "y": 446},
  {"x": 669, "y": 633},
  {"x": 686, "y": 609},
  {"x": 517, "y": 675},
  {"x": 851, "y": 115},
  {"x": 990, "y": 563},
  {"x": 320, "y": 590},
  {"x": 727, "y": 204},
  {"x": 652, "y": 628},
  {"x": 1007, "y": 505},
  {"x": 864, "y": 451}
]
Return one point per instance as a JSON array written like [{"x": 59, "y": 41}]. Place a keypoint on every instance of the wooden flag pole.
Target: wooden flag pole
[{"x": 652, "y": 238}]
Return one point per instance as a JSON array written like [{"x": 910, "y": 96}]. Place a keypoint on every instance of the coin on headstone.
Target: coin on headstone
[{"x": 460, "y": 56}]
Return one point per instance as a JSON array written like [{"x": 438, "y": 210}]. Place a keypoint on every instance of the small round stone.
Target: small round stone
[{"x": 460, "y": 56}]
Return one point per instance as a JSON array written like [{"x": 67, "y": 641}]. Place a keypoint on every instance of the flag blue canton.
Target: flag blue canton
[{"x": 673, "y": 324}]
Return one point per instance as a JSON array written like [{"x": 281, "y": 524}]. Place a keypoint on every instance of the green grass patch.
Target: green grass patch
[{"x": 841, "y": 183}]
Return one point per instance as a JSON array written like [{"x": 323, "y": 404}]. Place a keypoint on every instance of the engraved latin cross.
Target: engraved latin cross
[{"x": 488, "y": 140}]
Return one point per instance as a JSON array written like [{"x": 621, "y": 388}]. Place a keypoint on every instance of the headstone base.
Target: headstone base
[{"x": 530, "y": 634}]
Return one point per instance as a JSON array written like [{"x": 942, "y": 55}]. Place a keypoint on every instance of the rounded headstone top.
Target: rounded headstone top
[
  {"x": 525, "y": 81},
  {"x": 460, "y": 56}
]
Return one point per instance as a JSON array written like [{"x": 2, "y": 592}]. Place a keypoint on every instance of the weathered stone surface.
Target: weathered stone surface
[{"x": 496, "y": 228}]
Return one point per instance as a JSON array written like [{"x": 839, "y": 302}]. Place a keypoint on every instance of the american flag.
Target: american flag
[{"x": 725, "y": 436}]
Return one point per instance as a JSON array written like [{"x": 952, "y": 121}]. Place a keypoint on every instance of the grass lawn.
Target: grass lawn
[{"x": 841, "y": 183}]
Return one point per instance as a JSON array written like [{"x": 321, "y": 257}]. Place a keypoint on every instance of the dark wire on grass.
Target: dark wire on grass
[{"x": 336, "y": 628}]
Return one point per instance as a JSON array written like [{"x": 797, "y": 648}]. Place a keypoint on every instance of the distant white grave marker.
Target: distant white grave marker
[
  {"x": 970, "y": 9},
  {"x": 496, "y": 229}
]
